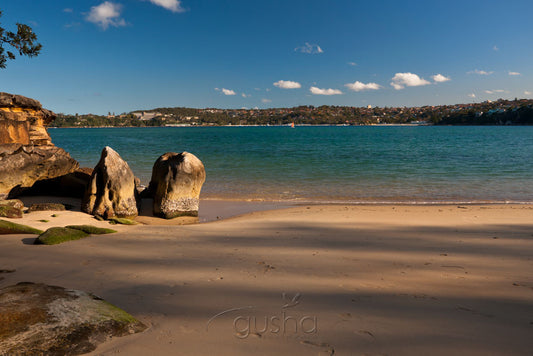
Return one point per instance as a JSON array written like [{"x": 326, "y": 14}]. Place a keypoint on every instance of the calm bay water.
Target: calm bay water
[{"x": 420, "y": 164}]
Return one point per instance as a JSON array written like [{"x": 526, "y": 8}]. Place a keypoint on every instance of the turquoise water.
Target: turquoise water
[{"x": 420, "y": 164}]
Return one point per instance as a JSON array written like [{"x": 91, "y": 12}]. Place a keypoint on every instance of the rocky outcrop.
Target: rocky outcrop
[
  {"x": 27, "y": 154},
  {"x": 23, "y": 121},
  {"x": 37, "y": 319},
  {"x": 111, "y": 191},
  {"x": 11, "y": 208},
  {"x": 177, "y": 179},
  {"x": 21, "y": 166},
  {"x": 47, "y": 207}
]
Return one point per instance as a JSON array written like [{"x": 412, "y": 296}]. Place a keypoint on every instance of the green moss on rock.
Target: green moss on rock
[
  {"x": 57, "y": 235},
  {"x": 10, "y": 212},
  {"x": 36, "y": 319},
  {"x": 122, "y": 221},
  {"x": 91, "y": 229},
  {"x": 8, "y": 227},
  {"x": 11, "y": 208}
]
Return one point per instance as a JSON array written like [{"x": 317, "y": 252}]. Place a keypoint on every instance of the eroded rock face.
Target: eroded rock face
[
  {"x": 24, "y": 121},
  {"x": 38, "y": 319},
  {"x": 27, "y": 154},
  {"x": 21, "y": 166},
  {"x": 69, "y": 185},
  {"x": 177, "y": 179},
  {"x": 111, "y": 191}
]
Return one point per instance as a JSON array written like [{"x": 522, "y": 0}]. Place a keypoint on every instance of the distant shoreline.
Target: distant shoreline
[{"x": 178, "y": 126}]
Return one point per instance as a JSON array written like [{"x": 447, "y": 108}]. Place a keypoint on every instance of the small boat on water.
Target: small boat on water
[{"x": 292, "y": 125}]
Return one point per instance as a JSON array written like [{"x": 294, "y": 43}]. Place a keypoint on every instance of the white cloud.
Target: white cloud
[
  {"x": 106, "y": 14},
  {"x": 228, "y": 91},
  {"x": 68, "y": 10},
  {"x": 514, "y": 73},
  {"x": 244, "y": 95},
  {"x": 527, "y": 93},
  {"x": 353, "y": 64},
  {"x": 172, "y": 5},
  {"x": 439, "y": 78},
  {"x": 495, "y": 91},
  {"x": 318, "y": 91},
  {"x": 287, "y": 84},
  {"x": 402, "y": 80},
  {"x": 266, "y": 101},
  {"x": 358, "y": 86},
  {"x": 472, "y": 95},
  {"x": 479, "y": 72},
  {"x": 309, "y": 49}
]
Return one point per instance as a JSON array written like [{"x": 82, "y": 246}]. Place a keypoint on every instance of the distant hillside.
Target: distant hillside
[{"x": 501, "y": 112}]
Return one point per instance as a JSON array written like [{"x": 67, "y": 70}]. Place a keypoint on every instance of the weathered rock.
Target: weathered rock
[
  {"x": 11, "y": 208},
  {"x": 46, "y": 207},
  {"x": 37, "y": 319},
  {"x": 27, "y": 154},
  {"x": 21, "y": 166},
  {"x": 57, "y": 235},
  {"x": 177, "y": 179},
  {"x": 23, "y": 120},
  {"x": 8, "y": 227},
  {"x": 111, "y": 190}
]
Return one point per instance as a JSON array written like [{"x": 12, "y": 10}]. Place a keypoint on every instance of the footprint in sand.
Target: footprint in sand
[
  {"x": 345, "y": 316},
  {"x": 6, "y": 271},
  {"x": 367, "y": 333},
  {"x": 327, "y": 349}
]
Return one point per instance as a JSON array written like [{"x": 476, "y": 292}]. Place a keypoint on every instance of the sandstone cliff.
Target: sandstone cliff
[
  {"x": 23, "y": 121},
  {"x": 27, "y": 154}
]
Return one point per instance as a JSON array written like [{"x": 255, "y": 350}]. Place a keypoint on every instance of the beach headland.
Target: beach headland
[{"x": 395, "y": 279}]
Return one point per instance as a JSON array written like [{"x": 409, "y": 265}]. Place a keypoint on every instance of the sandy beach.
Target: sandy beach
[{"x": 307, "y": 280}]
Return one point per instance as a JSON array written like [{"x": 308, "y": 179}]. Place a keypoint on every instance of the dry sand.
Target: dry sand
[{"x": 348, "y": 280}]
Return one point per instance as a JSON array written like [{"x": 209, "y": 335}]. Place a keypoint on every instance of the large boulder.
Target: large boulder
[
  {"x": 111, "y": 190},
  {"x": 11, "y": 208},
  {"x": 27, "y": 154},
  {"x": 177, "y": 179},
  {"x": 37, "y": 319}
]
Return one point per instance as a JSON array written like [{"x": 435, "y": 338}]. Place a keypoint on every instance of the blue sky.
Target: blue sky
[{"x": 124, "y": 55}]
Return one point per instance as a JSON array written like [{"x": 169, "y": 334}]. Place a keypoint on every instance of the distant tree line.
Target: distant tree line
[
  {"x": 90, "y": 120},
  {"x": 501, "y": 112}
]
